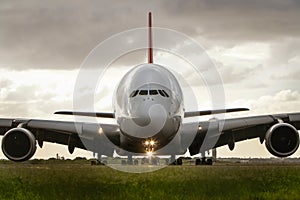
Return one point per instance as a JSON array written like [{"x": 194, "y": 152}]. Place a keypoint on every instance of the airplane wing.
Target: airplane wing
[
  {"x": 87, "y": 114},
  {"x": 89, "y": 136},
  {"x": 186, "y": 114},
  {"x": 210, "y": 112},
  {"x": 279, "y": 132}
]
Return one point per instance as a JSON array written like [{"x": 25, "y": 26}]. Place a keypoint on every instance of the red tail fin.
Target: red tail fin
[{"x": 150, "y": 50}]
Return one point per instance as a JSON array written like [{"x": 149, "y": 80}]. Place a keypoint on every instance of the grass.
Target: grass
[{"x": 82, "y": 181}]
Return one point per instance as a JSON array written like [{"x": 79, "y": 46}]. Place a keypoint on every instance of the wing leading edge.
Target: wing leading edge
[
  {"x": 210, "y": 112},
  {"x": 87, "y": 114}
]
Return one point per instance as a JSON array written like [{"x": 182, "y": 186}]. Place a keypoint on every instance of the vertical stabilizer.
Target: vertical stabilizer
[{"x": 150, "y": 50}]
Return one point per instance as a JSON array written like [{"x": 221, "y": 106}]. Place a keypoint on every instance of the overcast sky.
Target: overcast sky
[{"x": 254, "y": 44}]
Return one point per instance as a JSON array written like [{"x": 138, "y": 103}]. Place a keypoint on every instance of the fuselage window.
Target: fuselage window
[
  {"x": 165, "y": 93},
  {"x": 134, "y": 93},
  {"x": 143, "y": 92},
  {"x": 161, "y": 93},
  {"x": 153, "y": 92}
]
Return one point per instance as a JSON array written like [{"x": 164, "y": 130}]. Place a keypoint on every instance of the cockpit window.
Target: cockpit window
[
  {"x": 150, "y": 92},
  {"x": 153, "y": 92},
  {"x": 161, "y": 93},
  {"x": 143, "y": 92},
  {"x": 165, "y": 93},
  {"x": 134, "y": 93}
]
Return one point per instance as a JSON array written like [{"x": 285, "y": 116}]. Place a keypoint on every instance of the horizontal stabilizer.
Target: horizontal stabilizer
[
  {"x": 210, "y": 112},
  {"x": 87, "y": 114}
]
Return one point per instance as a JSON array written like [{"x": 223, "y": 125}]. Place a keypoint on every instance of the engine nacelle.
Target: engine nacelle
[
  {"x": 282, "y": 140},
  {"x": 18, "y": 144}
]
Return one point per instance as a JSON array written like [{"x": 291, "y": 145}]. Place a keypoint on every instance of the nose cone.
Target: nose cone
[
  {"x": 142, "y": 120},
  {"x": 146, "y": 115},
  {"x": 149, "y": 115},
  {"x": 145, "y": 122}
]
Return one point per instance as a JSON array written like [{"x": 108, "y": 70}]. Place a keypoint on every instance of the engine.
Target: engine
[
  {"x": 282, "y": 140},
  {"x": 18, "y": 144}
]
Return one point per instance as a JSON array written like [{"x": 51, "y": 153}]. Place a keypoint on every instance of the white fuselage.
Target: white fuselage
[{"x": 148, "y": 106}]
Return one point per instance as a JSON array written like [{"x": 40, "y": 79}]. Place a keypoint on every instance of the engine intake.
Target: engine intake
[
  {"x": 18, "y": 144},
  {"x": 282, "y": 140}
]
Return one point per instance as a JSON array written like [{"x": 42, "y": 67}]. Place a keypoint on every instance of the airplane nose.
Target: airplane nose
[
  {"x": 154, "y": 114},
  {"x": 142, "y": 120},
  {"x": 145, "y": 122}
]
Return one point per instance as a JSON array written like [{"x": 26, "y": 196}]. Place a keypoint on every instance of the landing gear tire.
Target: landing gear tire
[
  {"x": 203, "y": 161},
  {"x": 129, "y": 160},
  {"x": 179, "y": 161},
  {"x": 209, "y": 161}
]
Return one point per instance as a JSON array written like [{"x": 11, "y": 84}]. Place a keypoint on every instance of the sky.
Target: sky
[{"x": 255, "y": 46}]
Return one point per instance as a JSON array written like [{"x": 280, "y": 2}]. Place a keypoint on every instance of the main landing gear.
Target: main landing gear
[
  {"x": 204, "y": 161},
  {"x": 175, "y": 161},
  {"x": 130, "y": 161},
  {"x": 198, "y": 161},
  {"x": 207, "y": 161}
]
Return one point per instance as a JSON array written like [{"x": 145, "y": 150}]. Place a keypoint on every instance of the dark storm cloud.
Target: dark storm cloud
[
  {"x": 240, "y": 20},
  {"x": 59, "y": 34}
]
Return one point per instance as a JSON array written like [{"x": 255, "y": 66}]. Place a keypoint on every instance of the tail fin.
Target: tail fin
[{"x": 150, "y": 50}]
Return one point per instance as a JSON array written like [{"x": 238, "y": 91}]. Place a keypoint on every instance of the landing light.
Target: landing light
[
  {"x": 152, "y": 142},
  {"x": 149, "y": 143},
  {"x": 200, "y": 128},
  {"x": 149, "y": 146}
]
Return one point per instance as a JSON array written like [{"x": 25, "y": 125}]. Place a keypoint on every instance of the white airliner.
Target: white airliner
[{"x": 149, "y": 112}]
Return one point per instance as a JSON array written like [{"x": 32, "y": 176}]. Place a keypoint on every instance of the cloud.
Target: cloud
[
  {"x": 283, "y": 101},
  {"x": 35, "y": 93},
  {"x": 287, "y": 95},
  {"x": 288, "y": 75},
  {"x": 235, "y": 74},
  {"x": 238, "y": 20},
  {"x": 284, "y": 60},
  {"x": 59, "y": 35},
  {"x": 284, "y": 51},
  {"x": 4, "y": 83},
  {"x": 23, "y": 93}
]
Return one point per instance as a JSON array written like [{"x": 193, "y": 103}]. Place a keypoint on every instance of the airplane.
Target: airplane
[{"x": 149, "y": 111}]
